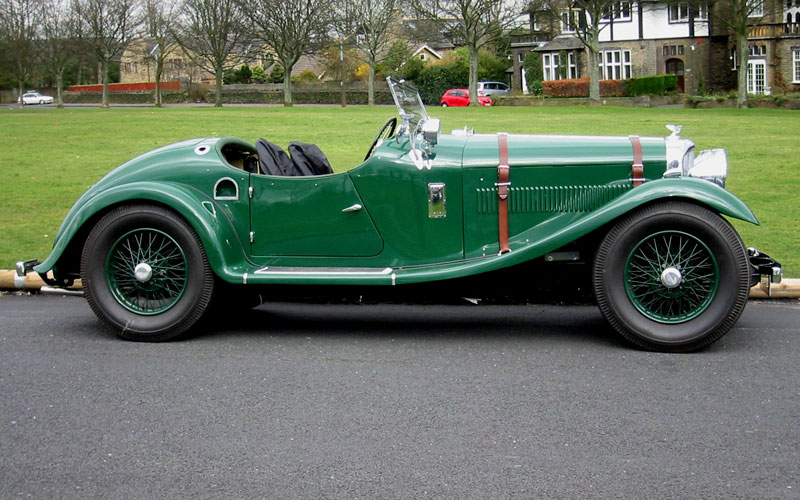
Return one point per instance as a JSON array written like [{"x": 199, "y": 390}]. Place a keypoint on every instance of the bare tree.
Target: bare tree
[
  {"x": 587, "y": 18},
  {"x": 108, "y": 26},
  {"x": 211, "y": 33},
  {"x": 18, "y": 30},
  {"x": 59, "y": 32},
  {"x": 476, "y": 23},
  {"x": 159, "y": 18},
  {"x": 366, "y": 23},
  {"x": 290, "y": 29}
]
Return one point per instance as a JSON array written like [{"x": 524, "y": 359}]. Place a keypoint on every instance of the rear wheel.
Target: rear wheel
[
  {"x": 145, "y": 273},
  {"x": 444, "y": 104},
  {"x": 671, "y": 277}
]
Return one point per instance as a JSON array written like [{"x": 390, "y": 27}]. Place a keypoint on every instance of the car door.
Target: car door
[{"x": 310, "y": 216}]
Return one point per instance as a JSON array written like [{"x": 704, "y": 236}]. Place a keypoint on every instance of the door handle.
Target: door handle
[{"x": 352, "y": 208}]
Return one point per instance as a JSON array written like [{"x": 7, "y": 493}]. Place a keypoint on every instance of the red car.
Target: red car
[{"x": 460, "y": 97}]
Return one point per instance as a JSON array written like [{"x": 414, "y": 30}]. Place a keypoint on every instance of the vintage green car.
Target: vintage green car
[{"x": 163, "y": 238}]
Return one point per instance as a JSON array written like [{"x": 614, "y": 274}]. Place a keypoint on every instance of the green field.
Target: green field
[{"x": 49, "y": 157}]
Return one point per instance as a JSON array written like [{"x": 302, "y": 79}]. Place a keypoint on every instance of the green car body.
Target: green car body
[{"x": 422, "y": 208}]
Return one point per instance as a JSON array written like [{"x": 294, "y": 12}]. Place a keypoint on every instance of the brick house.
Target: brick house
[{"x": 656, "y": 37}]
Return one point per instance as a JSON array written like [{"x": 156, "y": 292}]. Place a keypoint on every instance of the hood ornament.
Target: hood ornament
[{"x": 676, "y": 131}]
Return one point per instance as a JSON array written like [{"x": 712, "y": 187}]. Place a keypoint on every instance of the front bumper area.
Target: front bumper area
[{"x": 762, "y": 264}]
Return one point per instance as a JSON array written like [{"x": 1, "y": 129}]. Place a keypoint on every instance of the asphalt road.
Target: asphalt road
[{"x": 411, "y": 402}]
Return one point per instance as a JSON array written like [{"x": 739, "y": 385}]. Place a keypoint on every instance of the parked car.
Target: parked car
[
  {"x": 166, "y": 238},
  {"x": 460, "y": 97},
  {"x": 35, "y": 98},
  {"x": 493, "y": 88}
]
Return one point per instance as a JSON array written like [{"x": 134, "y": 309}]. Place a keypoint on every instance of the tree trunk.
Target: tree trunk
[
  {"x": 59, "y": 87},
  {"x": 218, "y": 94},
  {"x": 104, "y": 69},
  {"x": 592, "y": 50},
  {"x": 473, "y": 75},
  {"x": 287, "y": 84},
  {"x": 371, "y": 83},
  {"x": 342, "y": 90},
  {"x": 159, "y": 70},
  {"x": 21, "y": 102},
  {"x": 741, "y": 78}
]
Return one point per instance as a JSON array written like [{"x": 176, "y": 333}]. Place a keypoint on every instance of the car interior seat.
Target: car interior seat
[
  {"x": 309, "y": 159},
  {"x": 272, "y": 160},
  {"x": 306, "y": 159}
]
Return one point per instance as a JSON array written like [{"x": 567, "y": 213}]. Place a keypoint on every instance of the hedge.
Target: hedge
[
  {"x": 579, "y": 87},
  {"x": 126, "y": 87},
  {"x": 650, "y": 85}
]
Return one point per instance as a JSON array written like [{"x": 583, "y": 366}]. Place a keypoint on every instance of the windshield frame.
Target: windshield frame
[{"x": 409, "y": 105}]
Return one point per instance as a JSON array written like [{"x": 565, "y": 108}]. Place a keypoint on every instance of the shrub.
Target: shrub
[
  {"x": 650, "y": 85},
  {"x": 435, "y": 79},
  {"x": 579, "y": 87},
  {"x": 533, "y": 72},
  {"x": 306, "y": 76}
]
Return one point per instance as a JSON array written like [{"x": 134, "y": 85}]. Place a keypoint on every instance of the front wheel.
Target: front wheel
[
  {"x": 444, "y": 104},
  {"x": 145, "y": 273},
  {"x": 671, "y": 277}
]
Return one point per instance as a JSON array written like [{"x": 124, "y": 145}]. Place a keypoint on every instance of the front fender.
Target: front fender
[
  {"x": 701, "y": 191},
  {"x": 215, "y": 230}
]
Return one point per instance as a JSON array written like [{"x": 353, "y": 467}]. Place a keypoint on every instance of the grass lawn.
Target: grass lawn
[{"x": 49, "y": 157}]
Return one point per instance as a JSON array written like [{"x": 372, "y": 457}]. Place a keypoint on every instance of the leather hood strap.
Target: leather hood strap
[
  {"x": 637, "y": 168},
  {"x": 503, "y": 184}
]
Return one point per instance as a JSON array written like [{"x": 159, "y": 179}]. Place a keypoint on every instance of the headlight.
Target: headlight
[
  {"x": 711, "y": 165},
  {"x": 680, "y": 156}
]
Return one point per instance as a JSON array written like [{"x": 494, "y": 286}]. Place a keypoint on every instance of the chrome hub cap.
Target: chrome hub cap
[
  {"x": 143, "y": 272},
  {"x": 671, "y": 277}
]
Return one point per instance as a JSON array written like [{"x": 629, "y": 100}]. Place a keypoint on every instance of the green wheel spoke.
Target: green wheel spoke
[
  {"x": 675, "y": 252},
  {"x": 168, "y": 266}
]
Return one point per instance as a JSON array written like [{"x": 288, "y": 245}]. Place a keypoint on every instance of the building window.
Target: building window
[
  {"x": 757, "y": 50},
  {"x": 570, "y": 20},
  {"x": 616, "y": 64},
  {"x": 572, "y": 66},
  {"x": 678, "y": 13},
  {"x": 796, "y": 65},
  {"x": 521, "y": 57},
  {"x": 756, "y": 8},
  {"x": 757, "y": 76},
  {"x": 550, "y": 67},
  {"x": 619, "y": 11}
]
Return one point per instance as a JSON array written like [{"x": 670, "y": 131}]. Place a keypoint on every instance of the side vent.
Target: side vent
[
  {"x": 226, "y": 189},
  {"x": 550, "y": 199}
]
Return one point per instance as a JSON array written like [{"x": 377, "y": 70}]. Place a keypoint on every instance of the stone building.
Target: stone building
[{"x": 657, "y": 37}]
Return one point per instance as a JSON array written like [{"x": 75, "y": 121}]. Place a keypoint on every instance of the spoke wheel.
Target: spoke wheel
[
  {"x": 671, "y": 276},
  {"x": 145, "y": 273}
]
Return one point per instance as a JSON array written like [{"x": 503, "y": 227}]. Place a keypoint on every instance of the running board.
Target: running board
[
  {"x": 325, "y": 270},
  {"x": 321, "y": 275}
]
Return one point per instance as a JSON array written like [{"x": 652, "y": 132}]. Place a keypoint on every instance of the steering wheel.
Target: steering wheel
[{"x": 390, "y": 124}]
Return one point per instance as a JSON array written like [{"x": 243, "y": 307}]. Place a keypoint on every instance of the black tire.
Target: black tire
[
  {"x": 156, "y": 306},
  {"x": 675, "y": 239}
]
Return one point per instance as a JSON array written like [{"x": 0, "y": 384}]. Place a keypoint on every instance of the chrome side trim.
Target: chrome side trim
[{"x": 327, "y": 271}]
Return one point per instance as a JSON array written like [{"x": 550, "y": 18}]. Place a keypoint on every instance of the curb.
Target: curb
[{"x": 787, "y": 289}]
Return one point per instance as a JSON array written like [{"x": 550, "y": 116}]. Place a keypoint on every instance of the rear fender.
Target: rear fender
[{"x": 215, "y": 230}]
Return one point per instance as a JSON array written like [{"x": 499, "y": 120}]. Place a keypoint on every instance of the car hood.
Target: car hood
[{"x": 481, "y": 150}]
